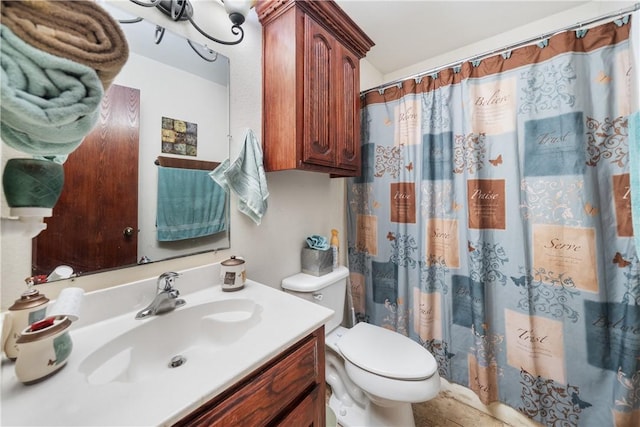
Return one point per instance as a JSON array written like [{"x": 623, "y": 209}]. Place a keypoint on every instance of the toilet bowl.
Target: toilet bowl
[{"x": 374, "y": 373}]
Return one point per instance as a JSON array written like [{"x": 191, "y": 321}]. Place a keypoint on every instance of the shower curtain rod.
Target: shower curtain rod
[{"x": 507, "y": 48}]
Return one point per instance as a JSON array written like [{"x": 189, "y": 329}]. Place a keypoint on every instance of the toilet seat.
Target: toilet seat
[{"x": 386, "y": 353}]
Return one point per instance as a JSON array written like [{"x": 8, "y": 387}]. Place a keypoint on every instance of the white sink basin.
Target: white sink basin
[{"x": 170, "y": 341}]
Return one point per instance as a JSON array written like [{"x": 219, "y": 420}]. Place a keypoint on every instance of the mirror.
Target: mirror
[{"x": 174, "y": 85}]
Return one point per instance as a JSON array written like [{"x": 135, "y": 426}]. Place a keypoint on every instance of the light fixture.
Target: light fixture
[{"x": 182, "y": 10}]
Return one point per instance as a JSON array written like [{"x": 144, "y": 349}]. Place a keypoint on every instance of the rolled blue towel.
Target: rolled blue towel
[
  {"x": 318, "y": 242},
  {"x": 48, "y": 104}
]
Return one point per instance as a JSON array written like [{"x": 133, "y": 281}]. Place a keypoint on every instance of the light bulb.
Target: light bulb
[{"x": 238, "y": 9}]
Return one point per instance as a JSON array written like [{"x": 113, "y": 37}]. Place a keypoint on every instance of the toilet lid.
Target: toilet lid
[{"x": 386, "y": 353}]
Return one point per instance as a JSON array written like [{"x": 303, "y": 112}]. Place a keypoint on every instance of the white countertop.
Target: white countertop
[{"x": 68, "y": 399}]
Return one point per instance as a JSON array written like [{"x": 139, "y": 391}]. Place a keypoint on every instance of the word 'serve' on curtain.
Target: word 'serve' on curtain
[{"x": 493, "y": 224}]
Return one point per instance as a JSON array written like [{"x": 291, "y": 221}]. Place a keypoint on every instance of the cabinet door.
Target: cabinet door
[
  {"x": 348, "y": 111},
  {"x": 319, "y": 105},
  {"x": 307, "y": 413}
]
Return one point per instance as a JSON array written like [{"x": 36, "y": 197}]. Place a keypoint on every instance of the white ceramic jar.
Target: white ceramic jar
[
  {"x": 232, "y": 274},
  {"x": 43, "y": 352}
]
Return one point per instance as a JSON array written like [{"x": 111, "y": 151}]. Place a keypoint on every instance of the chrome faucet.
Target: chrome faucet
[{"x": 166, "y": 299}]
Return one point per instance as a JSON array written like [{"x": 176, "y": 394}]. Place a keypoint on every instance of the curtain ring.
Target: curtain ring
[
  {"x": 580, "y": 33},
  {"x": 622, "y": 21}
]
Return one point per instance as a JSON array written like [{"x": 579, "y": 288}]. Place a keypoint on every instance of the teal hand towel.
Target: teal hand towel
[
  {"x": 190, "y": 204},
  {"x": 48, "y": 104},
  {"x": 246, "y": 177}
]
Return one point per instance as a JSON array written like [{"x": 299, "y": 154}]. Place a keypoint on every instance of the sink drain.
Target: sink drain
[{"x": 176, "y": 361}]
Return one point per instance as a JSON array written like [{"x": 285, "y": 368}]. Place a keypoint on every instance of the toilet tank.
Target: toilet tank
[{"x": 328, "y": 290}]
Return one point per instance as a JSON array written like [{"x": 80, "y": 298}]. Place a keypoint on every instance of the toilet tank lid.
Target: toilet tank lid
[{"x": 303, "y": 282}]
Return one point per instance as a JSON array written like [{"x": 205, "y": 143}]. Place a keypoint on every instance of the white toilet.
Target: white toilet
[{"x": 374, "y": 373}]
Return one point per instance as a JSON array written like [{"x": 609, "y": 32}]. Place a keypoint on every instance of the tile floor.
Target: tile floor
[{"x": 445, "y": 411}]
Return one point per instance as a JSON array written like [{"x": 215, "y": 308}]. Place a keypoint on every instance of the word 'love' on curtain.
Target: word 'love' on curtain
[{"x": 492, "y": 223}]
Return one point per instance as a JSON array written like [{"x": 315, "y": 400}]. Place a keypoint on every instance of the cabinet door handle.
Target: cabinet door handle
[{"x": 317, "y": 296}]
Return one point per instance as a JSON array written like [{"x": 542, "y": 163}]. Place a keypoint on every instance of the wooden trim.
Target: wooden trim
[
  {"x": 326, "y": 12},
  {"x": 174, "y": 162}
]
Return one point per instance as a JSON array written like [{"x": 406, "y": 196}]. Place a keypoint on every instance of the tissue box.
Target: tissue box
[{"x": 316, "y": 262}]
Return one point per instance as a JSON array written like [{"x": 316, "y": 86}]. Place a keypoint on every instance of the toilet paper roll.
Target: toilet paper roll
[
  {"x": 68, "y": 304},
  {"x": 60, "y": 272}
]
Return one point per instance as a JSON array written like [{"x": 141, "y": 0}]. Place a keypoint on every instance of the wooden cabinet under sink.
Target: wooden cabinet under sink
[
  {"x": 311, "y": 86},
  {"x": 289, "y": 390}
]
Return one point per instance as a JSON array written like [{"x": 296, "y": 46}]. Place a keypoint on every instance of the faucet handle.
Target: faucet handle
[{"x": 167, "y": 280}]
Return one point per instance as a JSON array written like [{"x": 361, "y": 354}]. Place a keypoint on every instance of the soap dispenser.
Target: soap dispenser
[{"x": 29, "y": 308}]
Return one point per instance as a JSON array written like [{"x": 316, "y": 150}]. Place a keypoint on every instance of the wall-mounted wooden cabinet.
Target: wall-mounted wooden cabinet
[{"x": 311, "y": 86}]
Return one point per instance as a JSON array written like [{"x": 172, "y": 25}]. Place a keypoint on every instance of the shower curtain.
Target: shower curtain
[{"x": 492, "y": 224}]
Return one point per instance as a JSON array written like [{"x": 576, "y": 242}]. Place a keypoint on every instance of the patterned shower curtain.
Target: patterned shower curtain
[{"x": 492, "y": 224}]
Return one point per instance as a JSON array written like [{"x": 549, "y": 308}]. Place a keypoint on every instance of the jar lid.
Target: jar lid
[
  {"x": 232, "y": 261},
  {"x": 29, "y": 299},
  {"x": 59, "y": 325}
]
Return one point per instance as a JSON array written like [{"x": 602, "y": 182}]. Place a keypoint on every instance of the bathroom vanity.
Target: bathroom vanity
[
  {"x": 250, "y": 357},
  {"x": 287, "y": 391}
]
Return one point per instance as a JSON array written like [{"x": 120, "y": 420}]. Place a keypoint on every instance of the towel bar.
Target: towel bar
[{"x": 173, "y": 162}]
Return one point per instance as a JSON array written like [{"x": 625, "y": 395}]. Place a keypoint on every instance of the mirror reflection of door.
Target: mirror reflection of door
[{"x": 95, "y": 230}]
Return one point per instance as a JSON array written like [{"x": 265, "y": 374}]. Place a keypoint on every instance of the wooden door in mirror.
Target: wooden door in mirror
[{"x": 99, "y": 228}]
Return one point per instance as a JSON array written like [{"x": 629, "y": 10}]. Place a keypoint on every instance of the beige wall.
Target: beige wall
[{"x": 301, "y": 203}]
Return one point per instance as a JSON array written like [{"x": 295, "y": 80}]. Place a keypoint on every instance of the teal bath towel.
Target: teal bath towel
[
  {"x": 47, "y": 104},
  {"x": 246, "y": 177},
  {"x": 190, "y": 204}
]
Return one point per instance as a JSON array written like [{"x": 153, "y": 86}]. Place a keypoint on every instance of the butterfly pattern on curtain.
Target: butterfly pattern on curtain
[{"x": 492, "y": 224}]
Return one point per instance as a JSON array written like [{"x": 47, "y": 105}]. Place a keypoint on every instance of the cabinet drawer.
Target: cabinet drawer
[
  {"x": 305, "y": 414},
  {"x": 263, "y": 395}
]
